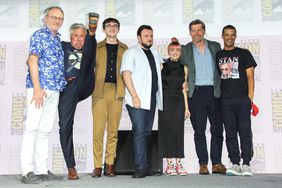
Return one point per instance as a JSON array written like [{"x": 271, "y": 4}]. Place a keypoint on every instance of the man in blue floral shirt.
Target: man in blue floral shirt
[{"x": 45, "y": 80}]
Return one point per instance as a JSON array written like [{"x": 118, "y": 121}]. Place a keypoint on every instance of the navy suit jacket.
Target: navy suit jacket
[{"x": 86, "y": 78}]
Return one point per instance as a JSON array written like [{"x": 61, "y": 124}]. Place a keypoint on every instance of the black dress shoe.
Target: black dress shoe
[
  {"x": 154, "y": 173},
  {"x": 139, "y": 174}
]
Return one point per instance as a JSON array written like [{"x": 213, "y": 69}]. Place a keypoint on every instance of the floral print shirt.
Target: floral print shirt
[{"x": 50, "y": 54}]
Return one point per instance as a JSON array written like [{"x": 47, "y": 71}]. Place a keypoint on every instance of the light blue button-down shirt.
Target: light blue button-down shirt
[
  {"x": 204, "y": 65},
  {"x": 135, "y": 60}
]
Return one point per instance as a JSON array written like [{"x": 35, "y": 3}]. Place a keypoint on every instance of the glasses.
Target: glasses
[
  {"x": 224, "y": 69},
  {"x": 115, "y": 26},
  {"x": 54, "y": 18}
]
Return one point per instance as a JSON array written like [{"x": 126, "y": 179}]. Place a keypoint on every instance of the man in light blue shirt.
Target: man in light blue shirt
[
  {"x": 142, "y": 75},
  {"x": 204, "y": 66},
  {"x": 204, "y": 93}
]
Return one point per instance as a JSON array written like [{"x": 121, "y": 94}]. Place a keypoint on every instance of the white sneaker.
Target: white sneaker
[
  {"x": 170, "y": 171},
  {"x": 246, "y": 170},
  {"x": 235, "y": 170},
  {"x": 180, "y": 170}
]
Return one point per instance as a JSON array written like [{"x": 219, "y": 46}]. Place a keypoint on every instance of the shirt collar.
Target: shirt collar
[
  {"x": 46, "y": 29},
  {"x": 206, "y": 44}
]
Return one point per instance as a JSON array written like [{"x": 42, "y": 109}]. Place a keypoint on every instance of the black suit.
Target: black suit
[{"x": 76, "y": 90}]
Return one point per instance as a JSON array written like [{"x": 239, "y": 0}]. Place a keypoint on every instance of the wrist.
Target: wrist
[
  {"x": 134, "y": 97},
  {"x": 36, "y": 88}
]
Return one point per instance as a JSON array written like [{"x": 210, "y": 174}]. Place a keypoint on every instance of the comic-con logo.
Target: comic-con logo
[
  {"x": 158, "y": 11},
  {"x": 161, "y": 46},
  {"x": 241, "y": 11},
  {"x": 253, "y": 45},
  {"x": 198, "y": 9},
  {"x": 9, "y": 13},
  {"x": 271, "y": 10},
  {"x": 123, "y": 10},
  {"x": 2, "y": 63},
  {"x": 274, "y": 54},
  {"x": 14, "y": 159},
  {"x": 58, "y": 161},
  {"x": 276, "y": 100},
  {"x": 36, "y": 10},
  {"x": 258, "y": 161},
  {"x": 18, "y": 114}
]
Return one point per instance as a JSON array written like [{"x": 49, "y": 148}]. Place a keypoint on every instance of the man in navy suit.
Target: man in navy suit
[{"x": 79, "y": 59}]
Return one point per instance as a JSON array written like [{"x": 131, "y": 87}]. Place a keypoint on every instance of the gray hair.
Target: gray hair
[
  {"x": 77, "y": 26},
  {"x": 47, "y": 10}
]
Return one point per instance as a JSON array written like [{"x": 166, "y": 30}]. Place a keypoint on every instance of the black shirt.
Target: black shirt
[
  {"x": 112, "y": 50},
  {"x": 152, "y": 63},
  {"x": 232, "y": 65}
]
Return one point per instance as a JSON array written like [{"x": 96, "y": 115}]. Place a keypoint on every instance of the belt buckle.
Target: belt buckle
[{"x": 70, "y": 79}]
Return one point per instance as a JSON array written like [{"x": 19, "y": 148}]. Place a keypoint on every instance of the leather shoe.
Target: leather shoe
[
  {"x": 110, "y": 170},
  {"x": 97, "y": 173},
  {"x": 72, "y": 175},
  {"x": 154, "y": 173},
  {"x": 204, "y": 170},
  {"x": 218, "y": 169},
  {"x": 139, "y": 174}
]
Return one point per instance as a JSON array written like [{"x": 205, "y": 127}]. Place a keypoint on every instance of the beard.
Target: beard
[{"x": 147, "y": 47}]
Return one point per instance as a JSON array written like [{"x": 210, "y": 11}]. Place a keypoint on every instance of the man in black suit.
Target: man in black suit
[{"x": 79, "y": 59}]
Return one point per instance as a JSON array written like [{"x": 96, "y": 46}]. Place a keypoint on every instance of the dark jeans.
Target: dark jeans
[
  {"x": 237, "y": 119},
  {"x": 203, "y": 105},
  {"x": 142, "y": 123},
  {"x": 67, "y": 106}
]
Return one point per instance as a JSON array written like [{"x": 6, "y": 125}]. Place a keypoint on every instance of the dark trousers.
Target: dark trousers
[
  {"x": 142, "y": 123},
  {"x": 237, "y": 119},
  {"x": 203, "y": 105},
  {"x": 67, "y": 106}
]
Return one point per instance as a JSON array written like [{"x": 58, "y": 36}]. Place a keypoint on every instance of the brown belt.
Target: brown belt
[{"x": 71, "y": 78}]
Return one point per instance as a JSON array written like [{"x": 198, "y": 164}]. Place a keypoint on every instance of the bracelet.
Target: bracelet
[{"x": 134, "y": 97}]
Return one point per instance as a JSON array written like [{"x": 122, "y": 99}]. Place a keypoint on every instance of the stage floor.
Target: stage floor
[{"x": 125, "y": 181}]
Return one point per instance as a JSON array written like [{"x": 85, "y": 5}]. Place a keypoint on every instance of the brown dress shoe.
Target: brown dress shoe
[
  {"x": 97, "y": 173},
  {"x": 218, "y": 169},
  {"x": 110, "y": 170},
  {"x": 204, "y": 170},
  {"x": 72, "y": 174}
]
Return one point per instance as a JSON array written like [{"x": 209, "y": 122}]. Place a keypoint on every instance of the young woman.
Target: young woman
[{"x": 171, "y": 119}]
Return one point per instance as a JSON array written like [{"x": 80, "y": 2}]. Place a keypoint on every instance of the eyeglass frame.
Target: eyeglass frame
[
  {"x": 55, "y": 18},
  {"x": 115, "y": 26}
]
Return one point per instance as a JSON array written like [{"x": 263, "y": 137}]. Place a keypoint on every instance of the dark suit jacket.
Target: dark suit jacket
[
  {"x": 86, "y": 78},
  {"x": 189, "y": 60}
]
